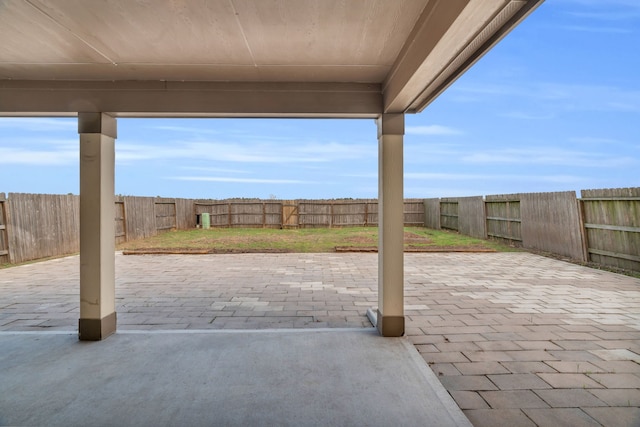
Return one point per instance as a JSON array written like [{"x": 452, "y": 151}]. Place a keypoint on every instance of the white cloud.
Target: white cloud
[
  {"x": 239, "y": 180},
  {"x": 249, "y": 152},
  {"x": 432, "y": 130},
  {"x": 33, "y": 157},
  {"x": 548, "y": 156},
  {"x": 38, "y": 152},
  {"x": 611, "y": 10},
  {"x": 591, "y": 29},
  {"x": 593, "y": 140},
  {"x": 214, "y": 170},
  {"x": 526, "y": 116},
  {"x": 39, "y": 124},
  {"x": 555, "y": 96},
  {"x": 425, "y": 176}
]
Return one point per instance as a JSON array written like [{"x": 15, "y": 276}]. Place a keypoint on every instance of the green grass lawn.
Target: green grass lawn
[{"x": 302, "y": 240}]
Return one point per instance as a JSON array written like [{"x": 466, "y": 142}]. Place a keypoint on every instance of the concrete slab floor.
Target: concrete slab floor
[{"x": 323, "y": 377}]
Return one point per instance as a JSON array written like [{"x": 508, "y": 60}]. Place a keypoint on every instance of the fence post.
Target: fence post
[
  {"x": 583, "y": 231},
  {"x": 366, "y": 214},
  {"x": 5, "y": 249},
  {"x": 264, "y": 215},
  {"x": 175, "y": 214},
  {"x": 331, "y": 220},
  {"x": 486, "y": 221},
  {"x": 125, "y": 226}
]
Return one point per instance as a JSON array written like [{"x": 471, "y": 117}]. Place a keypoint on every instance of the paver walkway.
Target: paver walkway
[{"x": 517, "y": 339}]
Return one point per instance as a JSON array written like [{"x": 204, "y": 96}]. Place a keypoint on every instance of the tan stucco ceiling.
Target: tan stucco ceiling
[{"x": 241, "y": 57}]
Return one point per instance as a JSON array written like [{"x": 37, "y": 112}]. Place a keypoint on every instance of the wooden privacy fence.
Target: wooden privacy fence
[
  {"x": 41, "y": 225},
  {"x": 142, "y": 217},
  {"x": 503, "y": 218},
  {"x": 256, "y": 213},
  {"x": 602, "y": 227},
  {"x": 34, "y": 226},
  {"x": 302, "y": 213}
]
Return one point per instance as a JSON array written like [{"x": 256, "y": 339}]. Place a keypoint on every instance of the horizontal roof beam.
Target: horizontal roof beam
[{"x": 189, "y": 99}]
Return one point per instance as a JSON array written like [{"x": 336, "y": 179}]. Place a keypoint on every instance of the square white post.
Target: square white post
[
  {"x": 97, "y": 226},
  {"x": 390, "y": 315}
]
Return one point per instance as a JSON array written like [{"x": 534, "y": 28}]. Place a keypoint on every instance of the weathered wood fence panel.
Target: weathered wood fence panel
[
  {"x": 503, "y": 218},
  {"x": 121, "y": 221},
  {"x": 185, "y": 215},
  {"x": 220, "y": 215},
  {"x": 372, "y": 213},
  {"x": 449, "y": 214},
  {"x": 165, "y": 214},
  {"x": 247, "y": 214},
  {"x": 612, "y": 225},
  {"x": 257, "y": 213},
  {"x": 413, "y": 213},
  {"x": 471, "y": 217},
  {"x": 4, "y": 237},
  {"x": 432, "y": 213},
  {"x": 140, "y": 217},
  {"x": 349, "y": 214},
  {"x": 313, "y": 214},
  {"x": 550, "y": 223},
  {"x": 43, "y": 225}
]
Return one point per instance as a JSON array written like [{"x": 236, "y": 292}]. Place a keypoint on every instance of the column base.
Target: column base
[
  {"x": 389, "y": 326},
  {"x": 96, "y": 329}
]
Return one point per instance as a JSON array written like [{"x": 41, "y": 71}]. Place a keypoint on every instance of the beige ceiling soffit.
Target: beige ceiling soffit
[
  {"x": 184, "y": 99},
  {"x": 70, "y": 31},
  {"x": 506, "y": 20}
]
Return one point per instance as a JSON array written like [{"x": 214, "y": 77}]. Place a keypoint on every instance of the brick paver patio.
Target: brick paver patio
[{"x": 517, "y": 339}]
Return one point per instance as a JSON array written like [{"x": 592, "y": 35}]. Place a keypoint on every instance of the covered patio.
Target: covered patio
[{"x": 372, "y": 59}]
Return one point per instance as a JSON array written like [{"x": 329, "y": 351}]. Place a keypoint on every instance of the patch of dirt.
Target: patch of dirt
[
  {"x": 191, "y": 251},
  {"x": 415, "y": 238},
  {"x": 414, "y": 248},
  {"x": 358, "y": 240}
]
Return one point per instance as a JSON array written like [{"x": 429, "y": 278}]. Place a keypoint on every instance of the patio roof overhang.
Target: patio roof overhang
[{"x": 241, "y": 58}]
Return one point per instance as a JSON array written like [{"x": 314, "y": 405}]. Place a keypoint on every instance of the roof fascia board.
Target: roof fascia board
[
  {"x": 434, "y": 22},
  {"x": 459, "y": 66},
  {"x": 437, "y": 54}
]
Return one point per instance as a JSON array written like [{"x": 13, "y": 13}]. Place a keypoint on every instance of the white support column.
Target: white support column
[
  {"x": 97, "y": 226},
  {"x": 390, "y": 315}
]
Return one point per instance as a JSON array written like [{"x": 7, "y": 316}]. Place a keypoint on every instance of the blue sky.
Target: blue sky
[{"x": 555, "y": 106}]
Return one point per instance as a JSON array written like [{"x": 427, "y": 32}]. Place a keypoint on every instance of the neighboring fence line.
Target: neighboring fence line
[
  {"x": 302, "y": 213},
  {"x": 235, "y": 213},
  {"x": 602, "y": 227}
]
